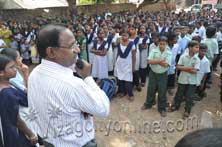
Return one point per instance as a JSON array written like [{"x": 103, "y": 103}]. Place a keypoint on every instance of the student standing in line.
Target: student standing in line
[
  {"x": 174, "y": 49},
  {"x": 100, "y": 62},
  {"x": 202, "y": 73},
  {"x": 90, "y": 36},
  {"x": 143, "y": 47},
  {"x": 188, "y": 64},
  {"x": 135, "y": 38},
  {"x": 125, "y": 65},
  {"x": 154, "y": 41},
  {"x": 159, "y": 60},
  {"x": 82, "y": 43},
  {"x": 212, "y": 50}
]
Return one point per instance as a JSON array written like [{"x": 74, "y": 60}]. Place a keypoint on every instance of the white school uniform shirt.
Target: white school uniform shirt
[
  {"x": 90, "y": 46},
  {"x": 143, "y": 54},
  {"x": 2, "y": 43},
  {"x": 212, "y": 46},
  {"x": 215, "y": 49},
  {"x": 202, "y": 32},
  {"x": 183, "y": 43},
  {"x": 175, "y": 51},
  {"x": 18, "y": 36},
  {"x": 57, "y": 100},
  {"x": 137, "y": 55},
  {"x": 109, "y": 56},
  {"x": 219, "y": 36},
  {"x": 123, "y": 67},
  {"x": 161, "y": 28},
  {"x": 115, "y": 50},
  {"x": 204, "y": 68},
  {"x": 152, "y": 46},
  {"x": 195, "y": 32},
  {"x": 100, "y": 65}
]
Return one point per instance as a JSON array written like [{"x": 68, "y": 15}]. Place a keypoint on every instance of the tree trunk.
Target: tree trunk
[
  {"x": 147, "y": 2},
  {"x": 72, "y": 10},
  {"x": 166, "y": 3}
]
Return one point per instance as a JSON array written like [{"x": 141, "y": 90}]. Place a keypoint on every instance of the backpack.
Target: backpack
[{"x": 109, "y": 87}]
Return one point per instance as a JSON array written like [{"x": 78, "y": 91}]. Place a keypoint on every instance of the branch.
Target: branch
[{"x": 147, "y": 2}]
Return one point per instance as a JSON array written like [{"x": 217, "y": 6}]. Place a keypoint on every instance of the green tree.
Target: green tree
[
  {"x": 86, "y": 2},
  {"x": 103, "y": 1}
]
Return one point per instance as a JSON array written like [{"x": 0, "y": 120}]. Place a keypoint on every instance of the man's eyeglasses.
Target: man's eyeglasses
[{"x": 74, "y": 47}]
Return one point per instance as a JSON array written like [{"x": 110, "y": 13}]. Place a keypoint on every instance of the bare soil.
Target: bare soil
[{"x": 129, "y": 126}]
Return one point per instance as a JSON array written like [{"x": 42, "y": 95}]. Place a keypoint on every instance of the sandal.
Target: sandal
[
  {"x": 130, "y": 98},
  {"x": 173, "y": 108}
]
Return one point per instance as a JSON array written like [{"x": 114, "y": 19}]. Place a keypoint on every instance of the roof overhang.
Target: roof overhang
[{"x": 32, "y": 4}]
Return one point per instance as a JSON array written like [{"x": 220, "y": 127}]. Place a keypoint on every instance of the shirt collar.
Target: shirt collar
[
  {"x": 56, "y": 67},
  {"x": 187, "y": 54}
]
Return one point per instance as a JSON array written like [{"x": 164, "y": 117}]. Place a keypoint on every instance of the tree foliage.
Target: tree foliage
[{"x": 103, "y": 1}]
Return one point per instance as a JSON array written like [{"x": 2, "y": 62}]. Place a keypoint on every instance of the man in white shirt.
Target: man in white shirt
[
  {"x": 202, "y": 30},
  {"x": 202, "y": 72},
  {"x": 62, "y": 105}
]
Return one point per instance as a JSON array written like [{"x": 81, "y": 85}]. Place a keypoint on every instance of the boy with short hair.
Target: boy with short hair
[
  {"x": 213, "y": 50},
  {"x": 159, "y": 60},
  {"x": 202, "y": 73},
  {"x": 188, "y": 64}
]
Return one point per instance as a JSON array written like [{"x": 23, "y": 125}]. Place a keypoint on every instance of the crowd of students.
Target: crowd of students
[{"x": 171, "y": 48}]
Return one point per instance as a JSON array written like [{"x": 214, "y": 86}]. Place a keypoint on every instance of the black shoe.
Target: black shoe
[
  {"x": 142, "y": 84},
  {"x": 138, "y": 88},
  {"x": 197, "y": 98},
  {"x": 170, "y": 92},
  {"x": 209, "y": 82},
  {"x": 214, "y": 69},
  {"x": 207, "y": 86},
  {"x": 173, "y": 108},
  {"x": 186, "y": 115},
  {"x": 145, "y": 108}
]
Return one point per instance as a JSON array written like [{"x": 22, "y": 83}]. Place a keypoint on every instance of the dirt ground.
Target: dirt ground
[{"x": 129, "y": 126}]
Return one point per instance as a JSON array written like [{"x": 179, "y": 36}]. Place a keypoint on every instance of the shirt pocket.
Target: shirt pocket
[
  {"x": 193, "y": 62},
  {"x": 156, "y": 55}
]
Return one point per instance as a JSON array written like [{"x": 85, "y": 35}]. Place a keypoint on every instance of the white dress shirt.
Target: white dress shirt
[
  {"x": 57, "y": 101},
  {"x": 202, "y": 32},
  {"x": 204, "y": 68},
  {"x": 175, "y": 51},
  {"x": 2, "y": 43}
]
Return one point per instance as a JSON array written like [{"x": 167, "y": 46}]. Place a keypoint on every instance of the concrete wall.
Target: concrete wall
[{"x": 159, "y": 7}]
